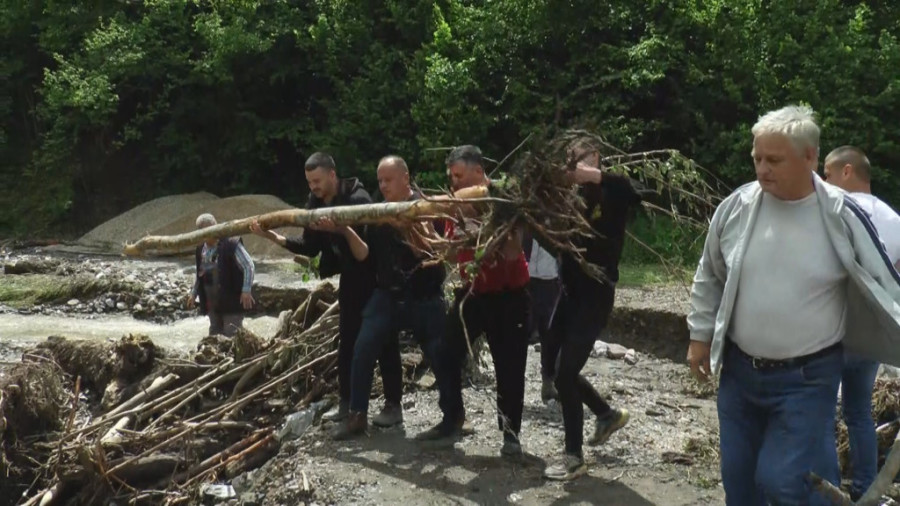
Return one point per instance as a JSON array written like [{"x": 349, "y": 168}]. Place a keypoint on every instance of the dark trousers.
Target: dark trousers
[
  {"x": 544, "y": 298},
  {"x": 504, "y": 319},
  {"x": 224, "y": 324},
  {"x": 384, "y": 316},
  {"x": 579, "y": 318},
  {"x": 350, "y": 324}
]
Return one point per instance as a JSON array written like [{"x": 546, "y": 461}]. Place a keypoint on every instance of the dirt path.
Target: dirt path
[{"x": 634, "y": 468}]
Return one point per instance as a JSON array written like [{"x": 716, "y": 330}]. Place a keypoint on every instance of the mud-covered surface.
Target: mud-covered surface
[{"x": 666, "y": 455}]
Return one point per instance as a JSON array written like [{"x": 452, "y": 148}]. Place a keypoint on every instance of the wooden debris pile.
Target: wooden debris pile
[
  {"x": 885, "y": 413},
  {"x": 172, "y": 424}
]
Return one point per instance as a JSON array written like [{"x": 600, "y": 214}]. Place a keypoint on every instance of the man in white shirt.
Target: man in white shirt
[
  {"x": 848, "y": 168},
  {"x": 544, "y": 287},
  {"x": 770, "y": 300}
]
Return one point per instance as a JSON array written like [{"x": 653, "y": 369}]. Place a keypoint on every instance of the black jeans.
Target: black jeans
[
  {"x": 579, "y": 318},
  {"x": 384, "y": 316},
  {"x": 504, "y": 318},
  {"x": 544, "y": 298},
  {"x": 349, "y": 325}
]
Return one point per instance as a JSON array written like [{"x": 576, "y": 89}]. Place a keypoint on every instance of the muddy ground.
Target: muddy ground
[{"x": 666, "y": 455}]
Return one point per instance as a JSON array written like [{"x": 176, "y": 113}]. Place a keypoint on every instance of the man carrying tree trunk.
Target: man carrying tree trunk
[
  {"x": 585, "y": 306},
  {"x": 792, "y": 272},
  {"x": 223, "y": 281},
  {"x": 493, "y": 301},
  {"x": 848, "y": 168},
  {"x": 408, "y": 296},
  {"x": 357, "y": 280}
]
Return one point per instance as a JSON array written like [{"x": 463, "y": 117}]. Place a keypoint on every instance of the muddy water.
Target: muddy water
[{"x": 18, "y": 332}]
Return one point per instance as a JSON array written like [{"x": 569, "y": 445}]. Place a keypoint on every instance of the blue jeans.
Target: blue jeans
[
  {"x": 384, "y": 316},
  {"x": 858, "y": 380},
  {"x": 771, "y": 426}
]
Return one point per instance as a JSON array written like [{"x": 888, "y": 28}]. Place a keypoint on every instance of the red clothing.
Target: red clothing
[{"x": 494, "y": 275}]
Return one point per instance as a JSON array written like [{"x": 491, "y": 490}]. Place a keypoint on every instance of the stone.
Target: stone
[
  {"x": 600, "y": 349},
  {"x": 109, "y": 303},
  {"x": 138, "y": 308},
  {"x": 631, "y": 357},
  {"x": 121, "y": 306},
  {"x": 73, "y": 302},
  {"x": 616, "y": 351}
]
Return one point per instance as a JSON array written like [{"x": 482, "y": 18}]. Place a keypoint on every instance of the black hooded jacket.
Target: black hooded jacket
[{"x": 357, "y": 278}]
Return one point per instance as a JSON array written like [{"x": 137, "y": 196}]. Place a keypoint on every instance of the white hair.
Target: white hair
[
  {"x": 796, "y": 122},
  {"x": 205, "y": 220}
]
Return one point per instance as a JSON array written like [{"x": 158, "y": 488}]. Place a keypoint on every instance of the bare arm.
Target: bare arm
[{"x": 358, "y": 247}]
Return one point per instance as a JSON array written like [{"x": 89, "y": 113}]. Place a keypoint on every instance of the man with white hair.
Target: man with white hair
[
  {"x": 848, "y": 168},
  {"x": 791, "y": 273},
  {"x": 223, "y": 281}
]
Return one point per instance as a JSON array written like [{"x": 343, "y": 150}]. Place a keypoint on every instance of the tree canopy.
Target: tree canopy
[{"x": 108, "y": 103}]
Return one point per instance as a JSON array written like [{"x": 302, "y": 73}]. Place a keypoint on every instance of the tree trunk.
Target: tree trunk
[{"x": 341, "y": 215}]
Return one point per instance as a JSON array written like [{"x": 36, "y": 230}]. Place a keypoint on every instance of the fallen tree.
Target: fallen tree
[{"x": 387, "y": 212}]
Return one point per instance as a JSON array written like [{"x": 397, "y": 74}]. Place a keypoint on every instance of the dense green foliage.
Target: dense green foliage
[{"x": 108, "y": 103}]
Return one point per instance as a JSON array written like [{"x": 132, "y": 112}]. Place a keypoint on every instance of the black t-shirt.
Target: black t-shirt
[
  {"x": 397, "y": 269},
  {"x": 608, "y": 207}
]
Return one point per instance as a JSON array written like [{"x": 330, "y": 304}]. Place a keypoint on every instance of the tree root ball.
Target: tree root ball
[{"x": 31, "y": 400}]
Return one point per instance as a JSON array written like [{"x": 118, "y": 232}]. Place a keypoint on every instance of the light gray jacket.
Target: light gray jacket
[{"x": 873, "y": 293}]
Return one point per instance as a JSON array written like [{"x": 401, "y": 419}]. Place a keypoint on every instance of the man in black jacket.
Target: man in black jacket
[
  {"x": 223, "y": 281},
  {"x": 585, "y": 306},
  {"x": 408, "y": 296},
  {"x": 357, "y": 280}
]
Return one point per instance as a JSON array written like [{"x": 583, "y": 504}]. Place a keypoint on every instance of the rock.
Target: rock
[
  {"x": 138, "y": 308},
  {"x": 631, "y": 357},
  {"x": 100, "y": 275},
  {"x": 242, "y": 483},
  {"x": 161, "y": 292},
  {"x": 73, "y": 302},
  {"x": 131, "y": 278},
  {"x": 426, "y": 381},
  {"x": 616, "y": 351},
  {"x": 121, "y": 306},
  {"x": 600, "y": 349},
  {"x": 149, "y": 285},
  {"x": 249, "y": 499},
  {"x": 109, "y": 303}
]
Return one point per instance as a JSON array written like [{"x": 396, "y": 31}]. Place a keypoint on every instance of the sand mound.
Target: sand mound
[{"x": 176, "y": 214}]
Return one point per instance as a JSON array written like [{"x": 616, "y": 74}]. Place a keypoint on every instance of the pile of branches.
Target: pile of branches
[
  {"x": 536, "y": 193},
  {"x": 188, "y": 422},
  {"x": 886, "y": 414}
]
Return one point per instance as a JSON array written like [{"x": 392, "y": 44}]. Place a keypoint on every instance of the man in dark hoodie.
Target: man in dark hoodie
[
  {"x": 585, "y": 306},
  {"x": 357, "y": 280}
]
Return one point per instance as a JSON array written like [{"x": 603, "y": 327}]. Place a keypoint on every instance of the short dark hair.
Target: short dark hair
[
  {"x": 467, "y": 153},
  {"x": 319, "y": 160},
  {"x": 853, "y": 156}
]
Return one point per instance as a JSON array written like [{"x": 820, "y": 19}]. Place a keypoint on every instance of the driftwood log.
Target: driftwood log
[{"x": 387, "y": 212}]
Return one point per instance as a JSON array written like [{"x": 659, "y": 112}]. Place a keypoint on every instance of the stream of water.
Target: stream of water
[{"x": 18, "y": 332}]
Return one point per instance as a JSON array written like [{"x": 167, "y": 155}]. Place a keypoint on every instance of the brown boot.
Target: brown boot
[{"x": 355, "y": 425}]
